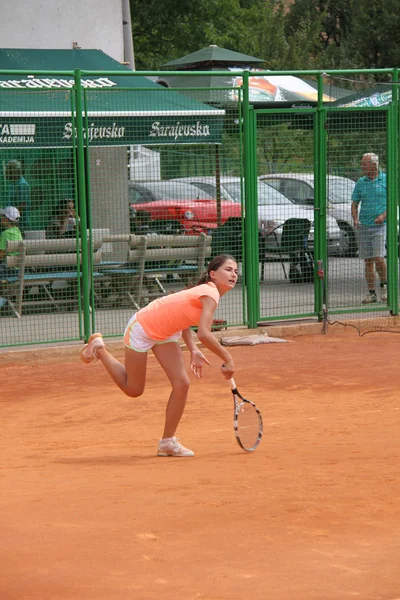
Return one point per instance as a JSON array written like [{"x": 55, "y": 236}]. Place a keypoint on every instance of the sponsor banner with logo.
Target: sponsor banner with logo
[
  {"x": 48, "y": 131},
  {"x": 42, "y": 83}
]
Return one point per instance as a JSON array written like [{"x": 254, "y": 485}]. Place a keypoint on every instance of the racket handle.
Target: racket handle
[{"x": 232, "y": 383}]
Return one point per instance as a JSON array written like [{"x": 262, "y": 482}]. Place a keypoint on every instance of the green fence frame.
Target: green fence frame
[{"x": 247, "y": 140}]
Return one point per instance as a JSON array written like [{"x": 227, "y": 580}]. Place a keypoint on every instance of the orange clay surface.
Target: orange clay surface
[{"x": 88, "y": 512}]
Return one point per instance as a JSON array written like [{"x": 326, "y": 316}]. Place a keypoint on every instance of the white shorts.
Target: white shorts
[{"x": 137, "y": 339}]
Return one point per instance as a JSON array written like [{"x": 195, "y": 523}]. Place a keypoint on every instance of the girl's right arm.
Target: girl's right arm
[{"x": 208, "y": 339}]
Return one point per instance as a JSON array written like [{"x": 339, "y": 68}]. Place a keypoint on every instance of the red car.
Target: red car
[{"x": 175, "y": 207}]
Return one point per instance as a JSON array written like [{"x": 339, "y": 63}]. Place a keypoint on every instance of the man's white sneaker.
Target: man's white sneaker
[
  {"x": 369, "y": 299},
  {"x": 172, "y": 447},
  {"x": 89, "y": 351},
  {"x": 384, "y": 293}
]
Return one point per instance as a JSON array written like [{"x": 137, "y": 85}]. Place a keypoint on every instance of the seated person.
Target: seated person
[
  {"x": 9, "y": 223},
  {"x": 63, "y": 223}
]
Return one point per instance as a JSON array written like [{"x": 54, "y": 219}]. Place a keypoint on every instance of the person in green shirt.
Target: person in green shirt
[{"x": 9, "y": 224}]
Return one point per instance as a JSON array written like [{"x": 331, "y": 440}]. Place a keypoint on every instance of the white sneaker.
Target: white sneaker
[
  {"x": 384, "y": 293},
  {"x": 369, "y": 298},
  {"x": 172, "y": 447},
  {"x": 89, "y": 351}
]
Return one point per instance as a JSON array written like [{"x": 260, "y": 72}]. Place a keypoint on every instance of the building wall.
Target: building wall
[
  {"x": 109, "y": 195},
  {"x": 52, "y": 24}
]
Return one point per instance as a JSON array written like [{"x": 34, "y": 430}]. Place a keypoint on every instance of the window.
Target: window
[{"x": 299, "y": 191}]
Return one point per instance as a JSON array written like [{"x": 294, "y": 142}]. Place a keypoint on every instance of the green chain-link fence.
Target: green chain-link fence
[{"x": 127, "y": 190}]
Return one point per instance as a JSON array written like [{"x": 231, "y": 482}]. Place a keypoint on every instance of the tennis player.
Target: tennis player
[{"x": 158, "y": 327}]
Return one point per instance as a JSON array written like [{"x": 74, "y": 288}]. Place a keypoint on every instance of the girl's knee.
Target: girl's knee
[
  {"x": 181, "y": 385},
  {"x": 134, "y": 392}
]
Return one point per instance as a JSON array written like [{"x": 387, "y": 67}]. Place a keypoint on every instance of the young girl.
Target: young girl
[
  {"x": 158, "y": 326},
  {"x": 63, "y": 223}
]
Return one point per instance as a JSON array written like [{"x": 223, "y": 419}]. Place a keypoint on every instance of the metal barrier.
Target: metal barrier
[{"x": 114, "y": 153}]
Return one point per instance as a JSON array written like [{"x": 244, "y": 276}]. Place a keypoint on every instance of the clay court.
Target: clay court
[{"x": 88, "y": 512}]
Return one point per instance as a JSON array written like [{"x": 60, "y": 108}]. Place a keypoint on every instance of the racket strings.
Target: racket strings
[{"x": 248, "y": 425}]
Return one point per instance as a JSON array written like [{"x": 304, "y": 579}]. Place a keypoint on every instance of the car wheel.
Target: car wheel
[
  {"x": 140, "y": 221},
  {"x": 167, "y": 227},
  {"x": 348, "y": 242}
]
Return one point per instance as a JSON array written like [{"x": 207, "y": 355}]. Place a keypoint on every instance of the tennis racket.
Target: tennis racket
[{"x": 247, "y": 421}]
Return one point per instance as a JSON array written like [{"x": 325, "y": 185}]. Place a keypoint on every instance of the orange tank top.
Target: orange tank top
[{"x": 167, "y": 315}]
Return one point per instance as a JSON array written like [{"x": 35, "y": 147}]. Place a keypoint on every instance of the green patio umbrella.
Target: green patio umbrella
[
  {"x": 212, "y": 56},
  {"x": 266, "y": 89}
]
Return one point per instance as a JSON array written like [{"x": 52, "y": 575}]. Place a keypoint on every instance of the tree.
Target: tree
[
  {"x": 375, "y": 33},
  {"x": 352, "y": 34},
  {"x": 319, "y": 34},
  {"x": 164, "y": 30}
]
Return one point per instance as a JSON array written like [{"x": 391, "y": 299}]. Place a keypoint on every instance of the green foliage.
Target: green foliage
[
  {"x": 376, "y": 33},
  {"x": 166, "y": 30},
  {"x": 311, "y": 34},
  {"x": 280, "y": 148}
]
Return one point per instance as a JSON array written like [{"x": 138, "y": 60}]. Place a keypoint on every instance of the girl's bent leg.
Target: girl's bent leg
[
  {"x": 130, "y": 378},
  {"x": 171, "y": 359}
]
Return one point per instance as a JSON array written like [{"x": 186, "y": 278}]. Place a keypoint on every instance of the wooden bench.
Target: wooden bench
[
  {"x": 39, "y": 264},
  {"x": 151, "y": 258}
]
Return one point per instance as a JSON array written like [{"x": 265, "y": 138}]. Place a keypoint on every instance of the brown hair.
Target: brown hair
[{"x": 215, "y": 264}]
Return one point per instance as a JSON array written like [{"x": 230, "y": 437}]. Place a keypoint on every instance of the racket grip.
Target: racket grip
[{"x": 232, "y": 383}]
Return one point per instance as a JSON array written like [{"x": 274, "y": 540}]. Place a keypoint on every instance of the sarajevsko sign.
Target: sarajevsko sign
[{"x": 48, "y": 131}]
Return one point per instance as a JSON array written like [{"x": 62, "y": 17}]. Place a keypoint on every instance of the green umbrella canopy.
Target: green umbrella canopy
[
  {"x": 67, "y": 60},
  {"x": 213, "y": 55},
  {"x": 35, "y": 110}
]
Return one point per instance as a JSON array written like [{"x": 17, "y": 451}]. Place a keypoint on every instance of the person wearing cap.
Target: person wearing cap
[
  {"x": 11, "y": 233},
  {"x": 19, "y": 193}
]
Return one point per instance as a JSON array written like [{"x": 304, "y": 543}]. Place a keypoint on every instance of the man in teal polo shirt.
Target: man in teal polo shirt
[{"x": 370, "y": 193}]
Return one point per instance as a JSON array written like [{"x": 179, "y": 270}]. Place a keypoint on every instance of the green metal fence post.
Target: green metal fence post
[
  {"x": 320, "y": 203},
  {"x": 88, "y": 202},
  {"x": 82, "y": 205},
  {"x": 76, "y": 200},
  {"x": 251, "y": 208},
  {"x": 393, "y": 196}
]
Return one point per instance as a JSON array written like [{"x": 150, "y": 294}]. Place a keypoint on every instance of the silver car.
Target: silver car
[
  {"x": 274, "y": 208},
  {"x": 299, "y": 187}
]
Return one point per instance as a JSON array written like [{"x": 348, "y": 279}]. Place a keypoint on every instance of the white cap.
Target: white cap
[{"x": 11, "y": 213}]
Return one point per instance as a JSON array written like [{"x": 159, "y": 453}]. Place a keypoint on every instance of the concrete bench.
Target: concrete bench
[
  {"x": 40, "y": 263},
  {"x": 152, "y": 258}
]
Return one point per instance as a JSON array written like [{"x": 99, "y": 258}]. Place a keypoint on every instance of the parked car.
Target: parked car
[
  {"x": 176, "y": 207},
  {"x": 274, "y": 208},
  {"x": 299, "y": 187}
]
